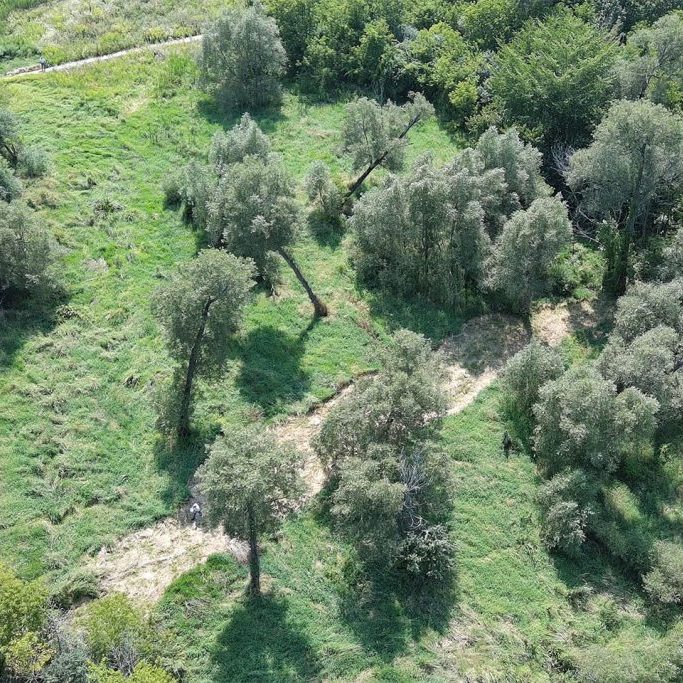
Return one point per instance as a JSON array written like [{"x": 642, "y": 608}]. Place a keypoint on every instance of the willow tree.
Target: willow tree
[
  {"x": 249, "y": 481},
  {"x": 253, "y": 213},
  {"x": 199, "y": 307}
]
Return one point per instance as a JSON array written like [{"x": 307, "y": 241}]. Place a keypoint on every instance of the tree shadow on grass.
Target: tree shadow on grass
[
  {"x": 267, "y": 118},
  {"x": 260, "y": 643},
  {"x": 18, "y": 325},
  {"x": 326, "y": 232},
  {"x": 386, "y": 613},
  {"x": 271, "y": 375},
  {"x": 180, "y": 461}
]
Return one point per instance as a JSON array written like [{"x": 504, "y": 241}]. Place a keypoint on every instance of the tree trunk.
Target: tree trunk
[
  {"x": 254, "y": 564},
  {"x": 318, "y": 306},
  {"x": 361, "y": 179},
  {"x": 184, "y": 413}
]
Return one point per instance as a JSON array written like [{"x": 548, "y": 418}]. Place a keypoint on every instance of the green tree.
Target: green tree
[
  {"x": 554, "y": 79},
  {"x": 253, "y": 213},
  {"x": 243, "y": 59},
  {"x": 526, "y": 249},
  {"x": 9, "y": 136},
  {"x": 321, "y": 189},
  {"x": 249, "y": 481},
  {"x": 653, "y": 66},
  {"x": 672, "y": 257},
  {"x": 27, "y": 253},
  {"x": 375, "y": 135},
  {"x": 526, "y": 372},
  {"x": 199, "y": 307},
  {"x": 630, "y": 173},
  {"x": 581, "y": 421},
  {"x": 242, "y": 140},
  {"x": 10, "y": 185}
]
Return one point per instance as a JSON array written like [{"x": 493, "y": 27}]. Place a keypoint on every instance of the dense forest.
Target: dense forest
[{"x": 341, "y": 340}]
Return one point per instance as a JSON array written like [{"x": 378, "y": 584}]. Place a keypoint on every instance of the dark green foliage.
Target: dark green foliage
[
  {"x": 554, "y": 79},
  {"x": 10, "y": 185},
  {"x": 427, "y": 554},
  {"x": 70, "y": 665},
  {"x": 243, "y": 59}
]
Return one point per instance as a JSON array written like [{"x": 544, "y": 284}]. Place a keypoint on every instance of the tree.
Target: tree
[
  {"x": 390, "y": 479},
  {"x": 321, "y": 190},
  {"x": 581, "y": 421},
  {"x": 242, "y": 58},
  {"x": 375, "y": 135},
  {"x": 253, "y": 212},
  {"x": 630, "y": 173},
  {"x": 27, "y": 254},
  {"x": 526, "y": 249},
  {"x": 199, "y": 307},
  {"x": 527, "y": 371},
  {"x": 9, "y": 136},
  {"x": 672, "y": 257},
  {"x": 242, "y": 140},
  {"x": 10, "y": 185},
  {"x": 554, "y": 79},
  {"x": 249, "y": 481},
  {"x": 653, "y": 67}
]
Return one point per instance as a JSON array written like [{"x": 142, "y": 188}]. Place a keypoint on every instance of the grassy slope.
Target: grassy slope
[
  {"x": 79, "y": 458},
  {"x": 507, "y": 617}
]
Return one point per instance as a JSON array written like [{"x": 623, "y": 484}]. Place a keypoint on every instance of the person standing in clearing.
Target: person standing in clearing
[{"x": 195, "y": 514}]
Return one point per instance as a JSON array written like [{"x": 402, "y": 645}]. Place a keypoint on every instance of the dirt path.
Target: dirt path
[
  {"x": 144, "y": 563},
  {"x": 35, "y": 68}
]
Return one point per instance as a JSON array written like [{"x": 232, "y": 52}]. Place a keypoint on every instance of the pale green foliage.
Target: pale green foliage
[
  {"x": 672, "y": 257},
  {"x": 633, "y": 166},
  {"x": 10, "y": 185},
  {"x": 391, "y": 483},
  {"x": 191, "y": 187},
  {"x": 33, "y": 162},
  {"x": 111, "y": 624},
  {"x": 214, "y": 280},
  {"x": 521, "y": 163},
  {"x": 321, "y": 190},
  {"x": 250, "y": 481},
  {"x": 375, "y": 134},
  {"x": 647, "y": 305},
  {"x": 583, "y": 422},
  {"x": 653, "y": 67},
  {"x": 253, "y": 210},
  {"x": 664, "y": 582},
  {"x": 526, "y": 250},
  {"x": 27, "y": 253},
  {"x": 242, "y": 58},
  {"x": 648, "y": 363},
  {"x": 527, "y": 371},
  {"x": 398, "y": 407},
  {"x": 553, "y": 78},
  {"x": 242, "y": 140},
  {"x": 566, "y": 501}
]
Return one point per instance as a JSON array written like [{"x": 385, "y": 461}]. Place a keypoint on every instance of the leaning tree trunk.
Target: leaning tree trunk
[
  {"x": 254, "y": 563},
  {"x": 184, "y": 412},
  {"x": 318, "y": 306}
]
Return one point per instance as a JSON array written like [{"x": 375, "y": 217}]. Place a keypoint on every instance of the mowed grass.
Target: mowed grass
[
  {"x": 511, "y": 612},
  {"x": 80, "y": 459}
]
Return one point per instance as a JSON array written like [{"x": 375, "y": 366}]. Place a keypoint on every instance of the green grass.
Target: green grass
[
  {"x": 80, "y": 460},
  {"x": 511, "y": 612}
]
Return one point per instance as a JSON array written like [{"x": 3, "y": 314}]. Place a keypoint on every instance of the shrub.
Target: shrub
[
  {"x": 143, "y": 673},
  {"x": 243, "y": 140},
  {"x": 427, "y": 553},
  {"x": 70, "y": 665},
  {"x": 672, "y": 257},
  {"x": 27, "y": 253},
  {"x": 33, "y": 162},
  {"x": 112, "y": 628},
  {"x": 191, "y": 187},
  {"x": 10, "y": 185},
  {"x": 23, "y": 607},
  {"x": 242, "y": 58},
  {"x": 664, "y": 582},
  {"x": 321, "y": 190},
  {"x": 27, "y": 656},
  {"x": 527, "y": 372}
]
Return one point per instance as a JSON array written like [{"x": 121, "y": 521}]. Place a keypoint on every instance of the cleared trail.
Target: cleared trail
[{"x": 67, "y": 66}]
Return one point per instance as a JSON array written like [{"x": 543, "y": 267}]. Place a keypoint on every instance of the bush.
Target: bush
[
  {"x": 10, "y": 185},
  {"x": 525, "y": 374},
  {"x": 321, "y": 190},
  {"x": 243, "y": 59},
  {"x": 427, "y": 553},
  {"x": 672, "y": 257},
  {"x": 664, "y": 582},
  {"x": 566, "y": 502},
  {"x": 74, "y": 589},
  {"x": 33, "y": 162},
  {"x": 143, "y": 673},
  {"x": 27, "y": 253},
  {"x": 243, "y": 140},
  {"x": 192, "y": 187},
  {"x": 70, "y": 665},
  {"x": 113, "y": 629},
  {"x": 23, "y": 607}
]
